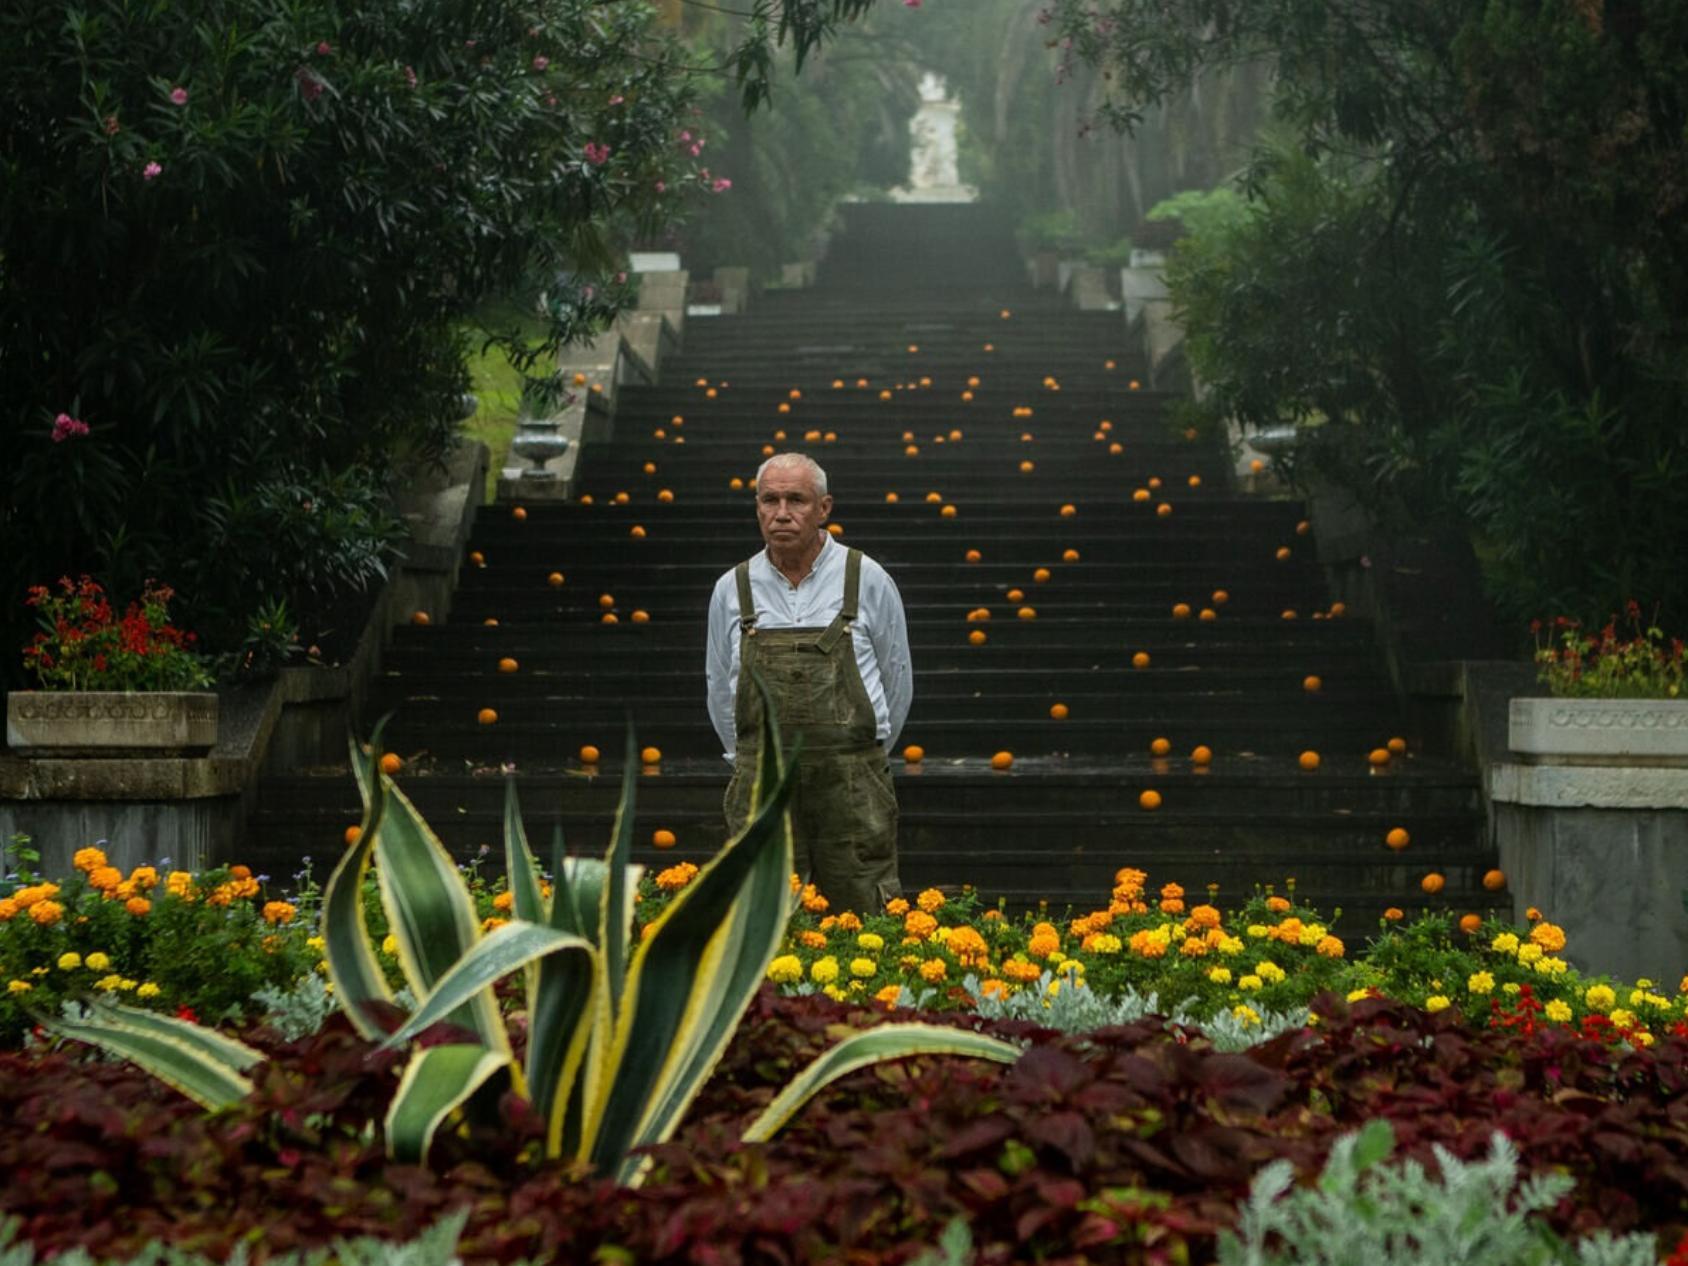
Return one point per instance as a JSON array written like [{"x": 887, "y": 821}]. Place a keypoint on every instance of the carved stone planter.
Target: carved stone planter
[
  {"x": 111, "y": 722},
  {"x": 1634, "y": 732}
]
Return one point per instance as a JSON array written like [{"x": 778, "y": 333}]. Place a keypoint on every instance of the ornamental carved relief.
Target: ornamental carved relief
[
  {"x": 119, "y": 708},
  {"x": 1631, "y": 716}
]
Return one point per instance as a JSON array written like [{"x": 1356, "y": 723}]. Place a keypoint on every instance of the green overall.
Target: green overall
[{"x": 843, "y": 808}]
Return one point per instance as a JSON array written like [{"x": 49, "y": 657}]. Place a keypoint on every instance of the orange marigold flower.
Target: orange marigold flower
[
  {"x": 244, "y": 887},
  {"x": 968, "y": 947},
  {"x": 8, "y": 909},
  {"x": 144, "y": 877},
  {"x": 86, "y": 859},
  {"x": 676, "y": 877},
  {"x": 1193, "y": 947},
  {"x": 930, "y": 900},
  {"x": 828, "y": 923},
  {"x": 919, "y": 923},
  {"x": 503, "y": 901},
  {"x": 896, "y": 906},
  {"x": 1330, "y": 947},
  {"x": 1019, "y": 969},
  {"x": 1130, "y": 877},
  {"x": 46, "y": 913},
  {"x": 1171, "y": 905},
  {"x": 993, "y": 916},
  {"x": 1215, "y": 937},
  {"x": 1289, "y": 931},
  {"x": 993, "y": 988},
  {"x": 887, "y": 997},
  {"x": 1203, "y": 916},
  {"x": 279, "y": 912},
  {"x": 811, "y": 939},
  {"x": 493, "y": 923},
  {"x": 240, "y": 872},
  {"x": 221, "y": 895},
  {"x": 1550, "y": 936},
  {"x": 122, "y": 892},
  {"x": 1044, "y": 929},
  {"x": 105, "y": 878},
  {"x": 1081, "y": 927},
  {"x": 848, "y": 922},
  {"x": 1171, "y": 891},
  {"x": 28, "y": 897},
  {"x": 934, "y": 969},
  {"x": 1043, "y": 945},
  {"x": 1394, "y": 914},
  {"x": 813, "y": 902},
  {"x": 1277, "y": 905},
  {"x": 1533, "y": 915},
  {"x": 138, "y": 906},
  {"x": 1147, "y": 944}
]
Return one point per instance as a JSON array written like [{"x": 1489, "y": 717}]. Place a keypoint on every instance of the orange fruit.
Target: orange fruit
[
  {"x": 914, "y": 753},
  {"x": 1134, "y": 384},
  {"x": 650, "y": 468},
  {"x": 555, "y": 580},
  {"x": 1026, "y": 467},
  {"x": 1394, "y": 914},
  {"x": 1433, "y": 883},
  {"x": 784, "y": 407},
  {"x": 477, "y": 558},
  {"x": 1116, "y": 448},
  {"x": 1289, "y": 613},
  {"x": 621, "y": 498},
  {"x": 1308, "y": 760},
  {"x": 507, "y": 665},
  {"x": 1311, "y": 684},
  {"x": 955, "y": 434},
  {"x": 948, "y": 512},
  {"x": 1005, "y": 314},
  {"x": 1140, "y": 659},
  {"x": 973, "y": 556},
  {"x": 1164, "y": 509},
  {"x": 353, "y": 835},
  {"x": 663, "y": 839},
  {"x": 486, "y": 716},
  {"x": 641, "y": 617},
  {"x": 1181, "y": 611},
  {"x": 606, "y": 600},
  {"x": 1201, "y": 755},
  {"x": 891, "y": 498},
  {"x": 711, "y": 393},
  {"x": 1378, "y": 757},
  {"x": 1160, "y": 746},
  {"x": 491, "y": 622},
  {"x": 1141, "y": 494},
  {"x": 737, "y": 484},
  {"x": 1107, "y": 364},
  {"x": 1154, "y": 482},
  {"x": 1058, "y": 711},
  {"x": 1067, "y": 511},
  {"x": 779, "y": 435},
  {"x": 1027, "y": 613},
  {"x": 1397, "y": 745},
  {"x": 1041, "y": 575},
  {"x": 1398, "y": 838},
  {"x": 982, "y": 613},
  {"x": 1149, "y": 800},
  {"x": 589, "y": 755},
  {"x": 811, "y": 437},
  {"x": 1025, "y": 437},
  {"x": 1338, "y": 609},
  {"x": 1104, "y": 426},
  {"x": 1470, "y": 924},
  {"x": 637, "y": 532},
  {"x": 651, "y": 755},
  {"x": 913, "y": 450},
  {"x": 610, "y": 617},
  {"x": 1014, "y": 595},
  {"x": 1494, "y": 880},
  {"x": 835, "y": 529},
  {"x": 1283, "y": 553},
  {"x": 1002, "y": 760},
  {"x": 518, "y": 513},
  {"x": 967, "y": 396},
  {"x": 977, "y": 637},
  {"x": 1195, "y": 481},
  {"x": 419, "y": 617},
  {"x": 932, "y": 498},
  {"x": 990, "y": 347},
  {"x": 1069, "y": 556},
  {"x": 1207, "y": 613},
  {"x": 768, "y": 450},
  {"x": 1220, "y": 597},
  {"x": 666, "y": 495}
]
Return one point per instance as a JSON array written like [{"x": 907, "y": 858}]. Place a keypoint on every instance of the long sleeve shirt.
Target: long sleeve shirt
[{"x": 879, "y": 636}]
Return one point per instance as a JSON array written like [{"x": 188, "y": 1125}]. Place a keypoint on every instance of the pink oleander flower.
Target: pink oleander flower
[
  {"x": 151, "y": 171},
  {"x": 617, "y": 99},
  {"x": 540, "y": 62},
  {"x": 597, "y": 154},
  {"x": 179, "y": 95},
  {"x": 111, "y": 125},
  {"x": 685, "y": 137},
  {"x": 66, "y": 427},
  {"x": 911, "y": 4},
  {"x": 409, "y": 77},
  {"x": 721, "y": 185},
  {"x": 324, "y": 48},
  {"x": 662, "y": 186},
  {"x": 310, "y": 87}
]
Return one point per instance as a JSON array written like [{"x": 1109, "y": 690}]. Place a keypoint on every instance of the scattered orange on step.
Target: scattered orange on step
[
  {"x": 1308, "y": 760},
  {"x": 420, "y": 617},
  {"x": 1378, "y": 757},
  {"x": 666, "y": 495},
  {"x": 835, "y": 529},
  {"x": 555, "y": 580},
  {"x": 650, "y": 468},
  {"x": 1026, "y": 467},
  {"x": 486, "y": 716},
  {"x": 491, "y": 622},
  {"x": 1398, "y": 838},
  {"x": 1150, "y": 800},
  {"x": 1283, "y": 553},
  {"x": 1160, "y": 746},
  {"x": 1201, "y": 755},
  {"x": 507, "y": 665},
  {"x": 663, "y": 838},
  {"x": 353, "y": 835},
  {"x": 1014, "y": 595},
  {"x": 972, "y": 556},
  {"x": 1303, "y": 527},
  {"x": 914, "y": 753},
  {"x": 1181, "y": 611},
  {"x": 1397, "y": 745},
  {"x": 1207, "y": 613},
  {"x": 1312, "y": 684},
  {"x": 606, "y": 600},
  {"x": 589, "y": 755},
  {"x": 1140, "y": 659},
  {"x": 1041, "y": 575},
  {"x": 637, "y": 532},
  {"x": 641, "y": 617},
  {"x": 1069, "y": 556},
  {"x": 610, "y": 617},
  {"x": 1058, "y": 711},
  {"x": 1433, "y": 883},
  {"x": 477, "y": 558},
  {"x": 1027, "y": 613},
  {"x": 1068, "y": 510},
  {"x": 891, "y": 498},
  {"x": 977, "y": 637},
  {"x": 1141, "y": 494},
  {"x": 947, "y": 512},
  {"x": 1002, "y": 760},
  {"x": 391, "y": 763},
  {"x": 650, "y": 755},
  {"x": 1494, "y": 880},
  {"x": 1164, "y": 509},
  {"x": 518, "y": 513}
]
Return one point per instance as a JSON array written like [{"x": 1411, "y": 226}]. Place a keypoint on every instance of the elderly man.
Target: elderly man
[{"x": 824, "y": 626}]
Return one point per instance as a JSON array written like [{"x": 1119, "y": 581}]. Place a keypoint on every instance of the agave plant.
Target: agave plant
[{"x": 621, "y": 1037}]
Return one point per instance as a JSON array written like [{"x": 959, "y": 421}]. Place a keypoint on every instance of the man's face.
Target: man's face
[{"x": 787, "y": 510}]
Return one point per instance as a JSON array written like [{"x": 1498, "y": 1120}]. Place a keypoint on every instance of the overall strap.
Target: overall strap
[
  {"x": 847, "y": 612},
  {"x": 746, "y": 604}
]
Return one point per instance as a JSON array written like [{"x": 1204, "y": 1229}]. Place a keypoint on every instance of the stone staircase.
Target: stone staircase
[{"x": 871, "y": 378}]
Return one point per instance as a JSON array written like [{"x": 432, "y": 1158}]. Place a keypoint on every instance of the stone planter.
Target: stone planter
[
  {"x": 111, "y": 722},
  {"x": 1632, "y": 732}
]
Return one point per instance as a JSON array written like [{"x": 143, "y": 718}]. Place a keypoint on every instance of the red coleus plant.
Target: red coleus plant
[
  {"x": 1572, "y": 662},
  {"x": 84, "y": 645}
]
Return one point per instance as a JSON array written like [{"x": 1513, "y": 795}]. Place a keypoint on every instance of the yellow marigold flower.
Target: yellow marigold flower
[
  {"x": 18, "y": 986},
  {"x": 279, "y": 912},
  {"x": 993, "y": 988},
  {"x": 108, "y": 983},
  {"x": 1329, "y": 946},
  {"x": 1104, "y": 943},
  {"x": 1511, "y": 987},
  {"x": 1277, "y": 905},
  {"x": 888, "y": 996},
  {"x": 70, "y": 960},
  {"x": 1480, "y": 982},
  {"x": 834, "y": 992},
  {"x": 934, "y": 969},
  {"x": 1505, "y": 943},
  {"x": 1248, "y": 1015},
  {"x": 941, "y": 936},
  {"x": 1219, "y": 975},
  {"x": 848, "y": 922},
  {"x": 872, "y": 942},
  {"x": 46, "y": 913},
  {"x": 824, "y": 971},
  {"x": 140, "y": 907},
  {"x": 1601, "y": 998},
  {"x": 1552, "y": 967},
  {"x": 1266, "y": 969},
  {"x": 1641, "y": 1037},
  {"x": 1657, "y": 1001},
  {"x": 1623, "y": 1019},
  {"x": 1056, "y": 958},
  {"x": 1436, "y": 1002},
  {"x": 1558, "y": 1011},
  {"x": 1249, "y": 983},
  {"x": 786, "y": 969},
  {"x": 1231, "y": 946},
  {"x": 86, "y": 859},
  {"x": 1355, "y": 995},
  {"x": 930, "y": 900},
  {"x": 179, "y": 884},
  {"x": 863, "y": 967},
  {"x": 144, "y": 877},
  {"x": 105, "y": 878},
  {"x": 1529, "y": 953},
  {"x": 126, "y": 985},
  {"x": 811, "y": 939},
  {"x": 148, "y": 990},
  {"x": 99, "y": 960},
  {"x": 1193, "y": 947},
  {"x": 1550, "y": 936},
  {"x": 896, "y": 907},
  {"x": 919, "y": 923},
  {"x": 1257, "y": 932}
]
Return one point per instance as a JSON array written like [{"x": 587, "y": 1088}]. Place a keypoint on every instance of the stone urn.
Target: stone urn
[
  {"x": 114, "y": 723},
  {"x": 1631, "y": 732}
]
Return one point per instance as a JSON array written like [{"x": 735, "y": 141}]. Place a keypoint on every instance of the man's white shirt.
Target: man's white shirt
[{"x": 879, "y": 636}]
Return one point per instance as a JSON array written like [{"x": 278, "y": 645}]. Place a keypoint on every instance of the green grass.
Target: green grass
[{"x": 499, "y": 389}]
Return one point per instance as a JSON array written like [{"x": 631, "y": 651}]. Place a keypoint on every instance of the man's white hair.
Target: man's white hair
[{"x": 801, "y": 461}]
